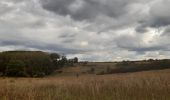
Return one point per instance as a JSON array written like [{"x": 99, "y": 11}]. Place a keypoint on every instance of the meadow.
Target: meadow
[{"x": 147, "y": 85}]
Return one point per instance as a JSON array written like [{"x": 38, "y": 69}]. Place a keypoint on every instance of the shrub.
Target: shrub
[
  {"x": 39, "y": 74},
  {"x": 16, "y": 68},
  {"x": 100, "y": 73},
  {"x": 91, "y": 71}
]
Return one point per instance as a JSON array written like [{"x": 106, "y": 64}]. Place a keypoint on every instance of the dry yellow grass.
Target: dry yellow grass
[{"x": 151, "y": 85}]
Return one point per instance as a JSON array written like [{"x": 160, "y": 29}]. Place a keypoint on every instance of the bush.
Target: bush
[
  {"x": 39, "y": 74},
  {"x": 91, "y": 71},
  {"x": 100, "y": 73},
  {"x": 16, "y": 68},
  {"x": 1, "y": 74}
]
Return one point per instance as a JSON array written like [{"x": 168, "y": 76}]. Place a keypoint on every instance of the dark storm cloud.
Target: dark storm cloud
[
  {"x": 159, "y": 16},
  {"x": 59, "y": 6},
  {"x": 87, "y": 9}
]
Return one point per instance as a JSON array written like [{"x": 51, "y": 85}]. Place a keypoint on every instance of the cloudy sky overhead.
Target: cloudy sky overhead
[{"x": 94, "y": 30}]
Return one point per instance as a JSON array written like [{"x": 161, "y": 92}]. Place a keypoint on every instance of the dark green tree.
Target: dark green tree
[
  {"x": 16, "y": 68},
  {"x": 75, "y": 60},
  {"x": 63, "y": 61},
  {"x": 55, "y": 56}
]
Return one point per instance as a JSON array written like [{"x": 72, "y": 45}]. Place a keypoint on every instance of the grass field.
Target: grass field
[{"x": 149, "y": 85}]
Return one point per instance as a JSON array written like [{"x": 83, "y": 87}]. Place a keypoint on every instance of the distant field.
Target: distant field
[
  {"x": 85, "y": 69},
  {"x": 149, "y": 85}
]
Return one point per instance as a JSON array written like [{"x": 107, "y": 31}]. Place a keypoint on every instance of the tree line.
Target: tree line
[
  {"x": 32, "y": 63},
  {"x": 144, "y": 65}
]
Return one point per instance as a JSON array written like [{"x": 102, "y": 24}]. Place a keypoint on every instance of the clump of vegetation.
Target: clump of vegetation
[
  {"x": 31, "y": 63},
  {"x": 91, "y": 71},
  {"x": 100, "y": 73},
  {"x": 16, "y": 68}
]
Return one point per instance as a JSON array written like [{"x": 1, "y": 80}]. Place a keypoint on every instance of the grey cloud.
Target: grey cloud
[
  {"x": 35, "y": 24},
  {"x": 41, "y": 46},
  {"x": 141, "y": 29},
  {"x": 134, "y": 43},
  {"x": 150, "y": 48},
  {"x": 65, "y": 35},
  {"x": 71, "y": 40},
  {"x": 7, "y": 43},
  {"x": 14, "y": 1},
  {"x": 72, "y": 26},
  {"x": 128, "y": 42},
  {"x": 166, "y": 31},
  {"x": 159, "y": 15},
  {"x": 58, "y": 6},
  {"x": 102, "y": 15},
  {"x": 87, "y": 9},
  {"x": 4, "y": 8}
]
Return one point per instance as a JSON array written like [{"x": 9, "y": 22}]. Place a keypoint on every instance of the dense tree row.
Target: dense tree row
[
  {"x": 136, "y": 66},
  {"x": 133, "y": 66},
  {"x": 31, "y": 63}
]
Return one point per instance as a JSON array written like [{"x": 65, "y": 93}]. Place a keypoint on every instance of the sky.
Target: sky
[{"x": 92, "y": 30}]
